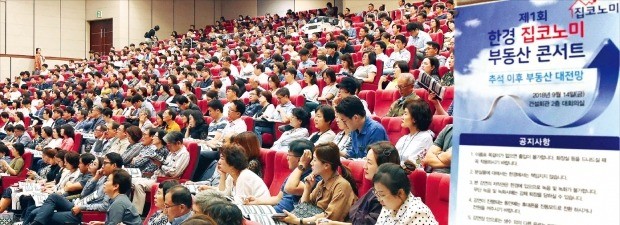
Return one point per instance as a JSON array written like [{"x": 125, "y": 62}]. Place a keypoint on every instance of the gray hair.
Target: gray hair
[
  {"x": 407, "y": 77},
  {"x": 206, "y": 198},
  {"x": 173, "y": 137}
]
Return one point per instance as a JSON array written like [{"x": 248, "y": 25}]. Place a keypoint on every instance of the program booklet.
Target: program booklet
[
  {"x": 431, "y": 85},
  {"x": 261, "y": 214}
]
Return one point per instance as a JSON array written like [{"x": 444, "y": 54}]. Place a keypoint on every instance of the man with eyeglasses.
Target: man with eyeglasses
[
  {"x": 178, "y": 205},
  {"x": 364, "y": 130},
  {"x": 100, "y": 140},
  {"x": 93, "y": 198},
  {"x": 173, "y": 167},
  {"x": 111, "y": 135},
  {"x": 405, "y": 88}
]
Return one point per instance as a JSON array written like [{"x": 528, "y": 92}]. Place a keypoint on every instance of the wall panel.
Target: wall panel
[
  {"x": 47, "y": 26},
  {"x": 183, "y": 15},
  {"x": 139, "y": 19},
  {"x": 20, "y": 27},
  {"x": 73, "y": 29}
]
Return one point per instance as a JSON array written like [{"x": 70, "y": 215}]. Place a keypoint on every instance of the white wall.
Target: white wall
[{"x": 56, "y": 26}]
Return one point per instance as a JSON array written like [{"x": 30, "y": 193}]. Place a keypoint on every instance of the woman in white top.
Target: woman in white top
[
  {"x": 330, "y": 90},
  {"x": 247, "y": 69},
  {"x": 18, "y": 118},
  {"x": 368, "y": 70},
  {"x": 47, "y": 118},
  {"x": 417, "y": 118},
  {"x": 56, "y": 139},
  {"x": 236, "y": 180},
  {"x": 69, "y": 175},
  {"x": 311, "y": 91},
  {"x": 266, "y": 107},
  {"x": 393, "y": 190},
  {"x": 323, "y": 117},
  {"x": 145, "y": 120},
  {"x": 346, "y": 61},
  {"x": 299, "y": 120}
]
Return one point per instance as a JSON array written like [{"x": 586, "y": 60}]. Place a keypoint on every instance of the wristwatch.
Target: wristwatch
[{"x": 301, "y": 167}]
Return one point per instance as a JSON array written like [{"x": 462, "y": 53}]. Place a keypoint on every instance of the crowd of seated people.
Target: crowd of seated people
[{"x": 236, "y": 89}]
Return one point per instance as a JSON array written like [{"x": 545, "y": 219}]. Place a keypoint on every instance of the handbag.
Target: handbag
[
  {"x": 305, "y": 210},
  {"x": 6, "y": 218}
]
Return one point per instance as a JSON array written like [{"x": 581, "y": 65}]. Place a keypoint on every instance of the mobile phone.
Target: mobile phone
[{"x": 278, "y": 215}]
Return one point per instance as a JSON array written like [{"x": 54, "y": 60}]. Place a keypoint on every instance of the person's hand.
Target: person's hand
[
  {"x": 323, "y": 221},
  {"x": 95, "y": 223},
  {"x": 76, "y": 210},
  {"x": 204, "y": 187},
  {"x": 290, "y": 218},
  {"x": 310, "y": 180},
  {"x": 337, "y": 100},
  {"x": 98, "y": 174},
  {"x": 432, "y": 97},
  {"x": 250, "y": 200},
  {"x": 222, "y": 173},
  {"x": 306, "y": 158},
  {"x": 382, "y": 79}
]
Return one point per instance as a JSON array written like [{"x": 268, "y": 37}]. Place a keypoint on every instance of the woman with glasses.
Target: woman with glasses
[
  {"x": 393, "y": 190},
  {"x": 334, "y": 194}
]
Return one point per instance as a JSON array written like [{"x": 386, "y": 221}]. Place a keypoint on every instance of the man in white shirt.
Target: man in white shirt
[
  {"x": 235, "y": 125},
  {"x": 399, "y": 54},
  {"x": 173, "y": 167},
  {"x": 304, "y": 62},
  {"x": 44, "y": 70},
  {"x": 232, "y": 94},
  {"x": 226, "y": 63},
  {"x": 260, "y": 75},
  {"x": 293, "y": 87},
  {"x": 418, "y": 38},
  {"x": 432, "y": 50}
]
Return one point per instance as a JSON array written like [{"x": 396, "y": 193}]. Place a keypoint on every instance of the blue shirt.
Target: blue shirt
[
  {"x": 372, "y": 131},
  {"x": 181, "y": 219},
  {"x": 289, "y": 201}
]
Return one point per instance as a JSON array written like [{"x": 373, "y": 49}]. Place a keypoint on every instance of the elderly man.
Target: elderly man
[{"x": 405, "y": 88}]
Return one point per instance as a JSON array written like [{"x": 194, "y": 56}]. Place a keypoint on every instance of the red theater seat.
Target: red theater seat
[
  {"x": 280, "y": 172},
  {"x": 418, "y": 183},
  {"x": 267, "y": 158},
  {"x": 249, "y": 122},
  {"x": 438, "y": 196},
  {"x": 439, "y": 122},
  {"x": 393, "y": 128},
  {"x": 369, "y": 96},
  {"x": 7, "y": 181},
  {"x": 119, "y": 119},
  {"x": 448, "y": 97},
  {"x": 153, "y": 208},
  {"x": 77, "y": 142},
  {"x": 383, "y": 100},
  {"x": 357, "y": 171},
  {"x": 203, "y": 105}
]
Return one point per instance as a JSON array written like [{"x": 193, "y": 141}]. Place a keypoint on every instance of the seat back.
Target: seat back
[
  {"x": 448, "y": 97},
  {"x": 77, "y": 142},
  {"x": 438, "y": 196},
  {"x": 266, "y": 159},
  {"x": 383, "y": 100},
  {"x": 369, "y": 96},
  {"x": 203, "y": 104},
  {"x": 249, "y": 122},
  {"x": 280, "y": 172},
  {"x": 357, "y": 172},
  {"x": 119, "y": 119},
  {"x": 439, "y": 122},
  {"x": 27, "y": 156},
  {"x": 298, "y": 100},
  {"x": 179, "y": 121},
  {"x": 194, "y": 153},
  {"x": 393, "y": 128},
  {"x": 412, "y": 50},
  {"x": 417, "y": 179},
  {"x": 153, "y": 208}
]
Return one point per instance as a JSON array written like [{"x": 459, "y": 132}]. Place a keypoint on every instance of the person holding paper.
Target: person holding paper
[{"x": 405, "y": 85}]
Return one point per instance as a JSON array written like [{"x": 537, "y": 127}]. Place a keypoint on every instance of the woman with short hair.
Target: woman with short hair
[{"x": 393, "y": 190}]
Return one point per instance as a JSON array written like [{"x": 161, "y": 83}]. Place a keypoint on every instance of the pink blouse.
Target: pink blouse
[{"x": 67, "y": 144}]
